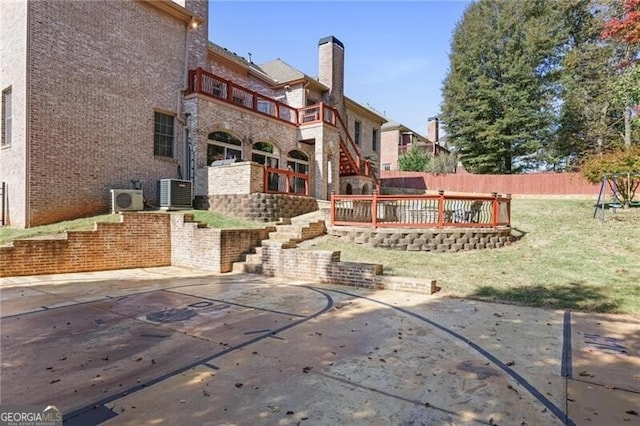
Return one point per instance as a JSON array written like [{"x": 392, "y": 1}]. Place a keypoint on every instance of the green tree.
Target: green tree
[
  {"x": 498, "y": 96},
  {"x": 444, "y": 163},
  {"x": 414, "y": 160},
  {"x": 587, "y": 121},
  {"x": 623, "y": 29}
]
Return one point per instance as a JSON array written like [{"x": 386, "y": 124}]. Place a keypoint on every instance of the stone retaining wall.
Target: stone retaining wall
[
  {"x": 433, "y": 240},
  {"x": 262, "y": 207}
]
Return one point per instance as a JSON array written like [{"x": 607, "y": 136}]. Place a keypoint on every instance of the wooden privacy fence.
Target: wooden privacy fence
[
  {"x": 532, "y": 183},
  {"x": 421, "y": 211}
]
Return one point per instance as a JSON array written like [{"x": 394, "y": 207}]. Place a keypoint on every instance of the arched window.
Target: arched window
[
  {"x": 298, "y": 162},
  {"x": 349, "y": 189},
  {"x": 365, "y": 189},
  {"x": 223, "y": 146},
  {"x": 265, "y": 153}
]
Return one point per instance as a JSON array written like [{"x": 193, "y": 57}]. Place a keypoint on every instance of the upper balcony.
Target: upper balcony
[
  {"x": 208, "y": 84},
  {"x": 211, "y": 85}
]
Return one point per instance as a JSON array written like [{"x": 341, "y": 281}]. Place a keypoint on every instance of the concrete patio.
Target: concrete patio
[{"x": 177, "y": 346}]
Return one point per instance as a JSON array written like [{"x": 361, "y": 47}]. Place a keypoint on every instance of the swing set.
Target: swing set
[{"x": 623, "y": 188}]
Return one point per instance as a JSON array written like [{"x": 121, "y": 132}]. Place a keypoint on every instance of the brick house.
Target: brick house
[
  {"x": 396, "y": 139},
  {"x": 122, "y": 94}
]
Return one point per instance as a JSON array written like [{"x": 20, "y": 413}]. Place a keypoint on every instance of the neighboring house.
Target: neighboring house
[
  {"x": 123, "y": 94},
  {"x": 398, "y": 139}
]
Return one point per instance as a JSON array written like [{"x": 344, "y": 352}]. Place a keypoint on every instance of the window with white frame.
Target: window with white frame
[
  {"x": 163, "y": 135},
  {"x": 386, "y": 166},
  {"x": 223, "y": 146},
  {"x": 266, "y": 154},
  {"x": 297, "y": 161},
  {"x": 6, "y": 117}
]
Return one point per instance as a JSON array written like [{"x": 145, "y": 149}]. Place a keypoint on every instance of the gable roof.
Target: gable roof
[{"x": 281, "y": 71}]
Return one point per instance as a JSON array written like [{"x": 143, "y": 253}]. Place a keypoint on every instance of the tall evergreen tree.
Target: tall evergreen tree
[
  {"x": 498, "y": 97},
  {"x": 586, "y": 119}
]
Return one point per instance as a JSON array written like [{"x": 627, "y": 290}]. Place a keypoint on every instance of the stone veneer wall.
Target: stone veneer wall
[
  {"x": 208, "y": 248},
  {"x": 434, "y": 240},
  {"x": 262, "y": 207},
  {"x": 137, "y": 241}
]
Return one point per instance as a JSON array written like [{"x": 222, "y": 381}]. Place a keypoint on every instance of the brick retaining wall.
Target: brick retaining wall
[
  {"x": 137, "y": 241},
  {"x": 326, "y": 267},
  {"x": 209, "y": 248},
  {"x": 420, "y": 240},
  {"x": 317, "y": 266}
]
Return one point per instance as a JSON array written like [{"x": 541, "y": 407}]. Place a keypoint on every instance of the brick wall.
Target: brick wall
[
  {"x": 211, "y": 249},
  {"x": 98, "y": 70},
  {"x": 317, "y": 266},
  {"x": 262, "y": 207},
  {"x": 137, "y": 241},
  {"x": 326, "y": 267},
  {"x": 13, "y": 51},
  {"x": 210, "y": 115},
  {"x": 237, "y": 178}
]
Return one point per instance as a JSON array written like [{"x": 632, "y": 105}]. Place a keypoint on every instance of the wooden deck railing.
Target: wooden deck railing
[
  {"x": 284, "y": 181},
  {"x": 201, "y": 81},
  {"x": 206, "y": 83},
  {"x": 423, "y": 211}
]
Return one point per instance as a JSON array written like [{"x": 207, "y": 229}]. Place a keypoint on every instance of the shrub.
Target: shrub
[{"x": 623, "y": 165}]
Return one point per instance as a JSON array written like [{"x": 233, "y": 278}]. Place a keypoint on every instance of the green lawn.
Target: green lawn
[
  {"x": 212, "y": 219},
  {"x": 564, "y": 259}
]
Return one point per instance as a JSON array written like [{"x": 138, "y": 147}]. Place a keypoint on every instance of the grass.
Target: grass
[
  {"x": 564, "y": 259},
  {"x": 212, "y": 219}
]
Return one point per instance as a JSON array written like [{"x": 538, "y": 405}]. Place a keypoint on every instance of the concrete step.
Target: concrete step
[
  {"x": 246, "y": 268},
  {"x": 291, "y": 229},
  {"x": 253, "y": 269},
  {"x": 253, "y": 259},
  {"x": 284, "y": 236},
  {"x": 258, "y": 250}
]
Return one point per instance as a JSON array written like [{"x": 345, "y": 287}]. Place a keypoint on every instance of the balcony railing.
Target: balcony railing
[
  {"x": 206, "y": 83},
  {"x": 201, "y": 81},
  {"x": 424, "y": 211},
  {"x": 284, "y": 181}
]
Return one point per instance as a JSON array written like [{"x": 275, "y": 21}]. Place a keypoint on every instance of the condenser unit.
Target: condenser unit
[
  {"x": 126, "y": 200},
  {"x": 175, "y": 194}
]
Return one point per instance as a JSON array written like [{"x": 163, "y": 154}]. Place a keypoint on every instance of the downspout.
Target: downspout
[{"x": 27, "y": 145}]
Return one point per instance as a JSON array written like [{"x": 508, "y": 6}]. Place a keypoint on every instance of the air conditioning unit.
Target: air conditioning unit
[
  {"x": 126, "y": 200},
  {"x": 175, "y": 194}
]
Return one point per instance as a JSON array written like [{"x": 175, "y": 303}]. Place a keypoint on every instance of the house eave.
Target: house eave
[{"x": 175, "y": 10}]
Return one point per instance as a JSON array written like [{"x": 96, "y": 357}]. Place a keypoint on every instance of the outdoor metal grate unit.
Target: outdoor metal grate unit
[{"x": 176, "y": 194}]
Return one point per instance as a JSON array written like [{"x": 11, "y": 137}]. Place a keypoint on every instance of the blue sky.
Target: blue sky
[{"x": 396, "y": 52}]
